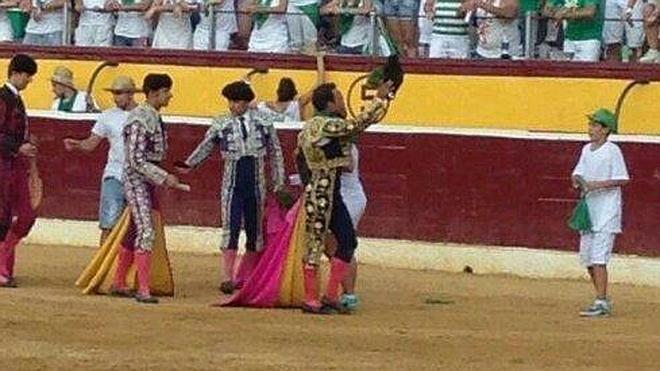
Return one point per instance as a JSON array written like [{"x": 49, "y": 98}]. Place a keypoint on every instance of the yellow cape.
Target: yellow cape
[{"x": 99, "y": 274}]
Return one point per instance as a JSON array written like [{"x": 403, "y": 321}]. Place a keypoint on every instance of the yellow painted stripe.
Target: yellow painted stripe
[{"x": 497, "y": 102}]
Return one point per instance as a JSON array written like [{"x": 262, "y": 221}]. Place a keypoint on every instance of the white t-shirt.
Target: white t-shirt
[
  {"x": 291, "y": 113},
  {"x": 359, "y": 32},
  {"x": 351, "y": 189},
  {"x": 132, "y": 24},
  {"x": 225, "y": 18},
  {"x": 110, "y": 125},
  {"x": 272, "y": 36},
  {"x": 79, "y": 104},
  {"x": 605, "y": 163},
  {"x": 91, "y": 18},
  {"x": 493, "y": 32},
  {"x": 6, "y": 32},
  {"x": 50, "y": 22}
]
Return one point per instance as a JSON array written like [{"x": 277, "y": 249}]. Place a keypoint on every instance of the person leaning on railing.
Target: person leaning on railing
[
  {"x": 46, "y": 22},
  {"x": 132, "y": 29},
  {"x": 354, "y": 25},
  {"x": 302, "y": 20},
  {"x": 96, "y": 23},
  {"x": 622, "y": 16},
  {"x": 450, "y": 38},
  {"x": 270, "y": 33},
  {"x": 6, "y": 32},
  {"x": 651, "y": 22},
  {"x": 584, "y": 26},
  {"x": 225, "y": 25},
  {"x": 173, "y": 27},
  {"x": 497, "y": 28}
]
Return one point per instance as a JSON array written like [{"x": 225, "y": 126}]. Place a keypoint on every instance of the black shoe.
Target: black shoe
[
  {"x": 227, "y": 287},
  {"x": 121, "y": 293},
  {"x": 146, "y": 299},
  {"x": 337, "y": 306},
  {"x": 10, "y": 284},
  {"x": 312, "y": 309}
]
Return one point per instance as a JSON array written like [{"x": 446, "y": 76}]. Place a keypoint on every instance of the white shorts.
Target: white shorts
[
  {"x": 94, "y": 35},
  {"x": 583, "y": 50},
  {"x": 596, "y": 248},
  {"x": 613, "y": 31},
  {"x": 449, "y": 46}
]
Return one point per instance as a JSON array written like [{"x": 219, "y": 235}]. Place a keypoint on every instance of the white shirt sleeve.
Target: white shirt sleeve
[
  {"x": 101, "y": 128},
  {"x": 619, "y": 170},
  {"x": 55, "y": 105},
  {"x": 580, "y": 167}
]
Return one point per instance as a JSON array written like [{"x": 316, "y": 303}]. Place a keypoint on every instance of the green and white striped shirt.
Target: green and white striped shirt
[{"x": 447, "y": 20}]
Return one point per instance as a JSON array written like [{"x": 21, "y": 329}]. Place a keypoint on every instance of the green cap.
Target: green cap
[{"x": 606, "y": 118}]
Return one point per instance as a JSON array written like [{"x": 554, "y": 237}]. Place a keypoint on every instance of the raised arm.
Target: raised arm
[
  {"x": 338, "y": 127},
  {"x": 276, "y": 158}
]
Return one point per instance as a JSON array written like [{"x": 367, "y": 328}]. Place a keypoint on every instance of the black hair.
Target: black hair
[
  {"x": 22, "y": 63},
  {"x": 286, "y": 90},
  {"x": 238, "y": 91},
  {"x": 323, "y": 95},
  {"x": 155, "y": 82}
]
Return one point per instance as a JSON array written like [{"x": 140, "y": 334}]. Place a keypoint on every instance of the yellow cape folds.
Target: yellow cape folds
[
  {"x": 292, "y": 286},
  {"x": 98, "y": 276}
]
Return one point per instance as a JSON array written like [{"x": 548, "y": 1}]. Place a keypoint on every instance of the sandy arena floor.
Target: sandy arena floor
[{"x": 477, "y": 322}]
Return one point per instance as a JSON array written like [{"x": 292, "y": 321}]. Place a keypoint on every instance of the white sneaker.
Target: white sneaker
[
  {"x": 599, "y": 308},
  {"x": 651, "y": 56}
]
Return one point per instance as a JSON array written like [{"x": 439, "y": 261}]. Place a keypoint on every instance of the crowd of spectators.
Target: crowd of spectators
[{"x": 581, "y": 30}]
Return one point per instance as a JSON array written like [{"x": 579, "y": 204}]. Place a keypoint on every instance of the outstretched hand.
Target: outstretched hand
[{"x": 385, "y": 90}]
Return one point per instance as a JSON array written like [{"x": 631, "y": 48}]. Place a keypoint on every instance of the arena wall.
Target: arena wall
[{"x": 504, "y": 188}]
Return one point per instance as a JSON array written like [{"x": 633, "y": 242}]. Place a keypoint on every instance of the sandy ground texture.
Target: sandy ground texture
[{"x": 408, "y": 320}]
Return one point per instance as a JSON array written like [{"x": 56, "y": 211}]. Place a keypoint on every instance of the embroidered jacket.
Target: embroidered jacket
[
  {"x": 326, "y": 141},
  {"x": 146, "y": 144},
  {"x": 260, "y": 142}
]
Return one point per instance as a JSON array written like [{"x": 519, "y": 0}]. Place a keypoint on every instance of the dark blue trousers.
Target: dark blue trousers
[{"x": 244, "y": 204}]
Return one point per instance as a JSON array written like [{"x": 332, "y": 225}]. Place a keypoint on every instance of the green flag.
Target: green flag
[{"x": 580, "y": 220}]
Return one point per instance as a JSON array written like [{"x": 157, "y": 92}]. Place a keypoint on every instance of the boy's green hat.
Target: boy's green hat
[{"x": 606, "y": 118}]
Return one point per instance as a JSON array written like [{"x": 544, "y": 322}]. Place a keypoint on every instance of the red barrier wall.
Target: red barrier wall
[{"x": 432, "y": 187}]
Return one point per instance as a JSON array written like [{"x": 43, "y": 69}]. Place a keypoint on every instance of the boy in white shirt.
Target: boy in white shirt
[
  {"x": 600, "y": 173},
  {"x": 110, "y": 125}
]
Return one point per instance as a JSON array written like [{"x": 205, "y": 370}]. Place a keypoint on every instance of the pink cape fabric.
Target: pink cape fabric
[{"x": 262, "y": 288}]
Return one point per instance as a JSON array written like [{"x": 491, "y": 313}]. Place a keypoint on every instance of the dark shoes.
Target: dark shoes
[
  {"x": 227, "y": 287},
  {"x": 313, "y": 309},
  {"x": 10, "y": 283},
  {"x": 336, "y": 306},
  {"x": 146, "y": 299},
  {"x": 121, "y": 292},
  {"x": 327, "y": 307}
]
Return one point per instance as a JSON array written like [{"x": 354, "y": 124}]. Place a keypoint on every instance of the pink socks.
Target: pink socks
[
  {"x": 338, "y": 270},
  {"x": 311, "y": 286},
  {"x": 143, "y": 262},
  {"x": 123, "y": 265},
  {"x": 229, "y": 259}
]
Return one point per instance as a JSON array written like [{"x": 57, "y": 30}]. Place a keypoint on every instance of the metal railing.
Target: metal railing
[{"x": 375, "y": 16}]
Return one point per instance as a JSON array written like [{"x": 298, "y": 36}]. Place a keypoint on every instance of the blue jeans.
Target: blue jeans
[
  {"x": 112, "y": 202},
  {"x": 47, "y": 39},
  {"x": 129, "y": 41},
  {"x": 401, "y": 9}
]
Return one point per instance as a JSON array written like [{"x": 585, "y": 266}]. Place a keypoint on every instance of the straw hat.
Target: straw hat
[
  {"x": 64, "y": 76},
  {"x": 123, "y": 84}
]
